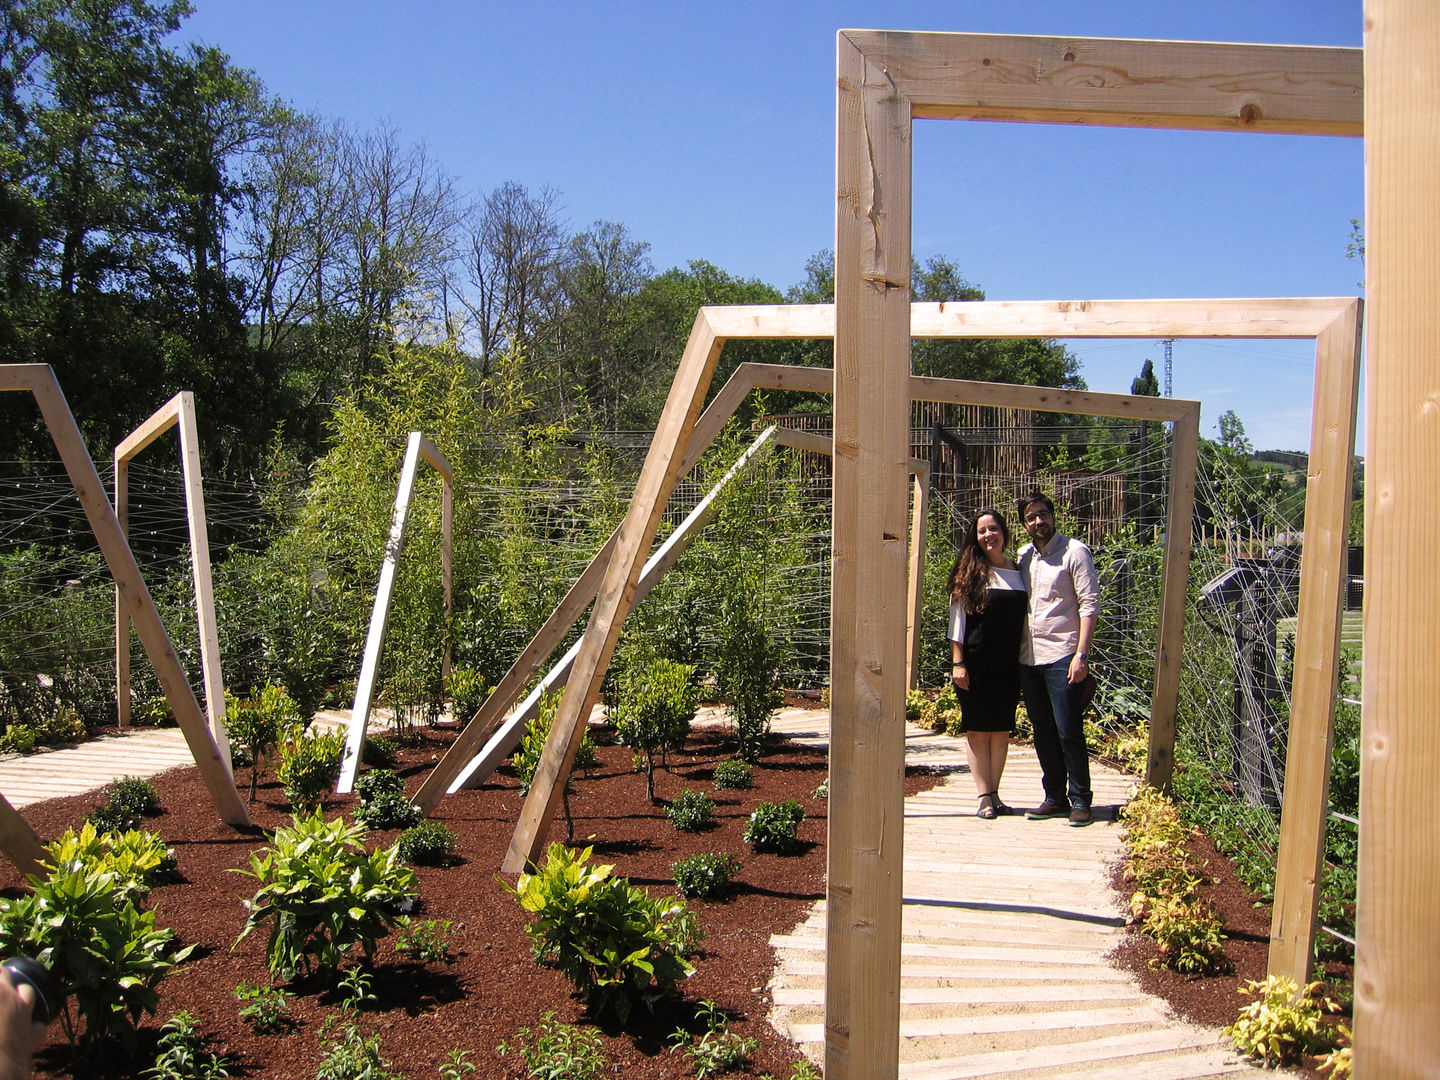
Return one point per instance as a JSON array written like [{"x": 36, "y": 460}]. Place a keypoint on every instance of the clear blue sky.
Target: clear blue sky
[{"x": 708, "y": 130}]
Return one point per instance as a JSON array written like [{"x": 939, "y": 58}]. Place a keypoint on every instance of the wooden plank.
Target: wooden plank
[
  {"x": 1182, "y": 85},
  {"x": 615, "y": 599},
  {"x": 868, "y": 597},
  {"x": 379, "y": 616},
  {"x": 122, "y": 613},
  {"x": 441, "y": 464},
  {"x": 40, "y": 380},
  {"x": 1241, "y": 317},
  {"x": 18, "y": 841},
  {"x": 1323, "y": 566},
  {"x": 1397, "y": 996},
  {"x": 1180, "y": 508}
]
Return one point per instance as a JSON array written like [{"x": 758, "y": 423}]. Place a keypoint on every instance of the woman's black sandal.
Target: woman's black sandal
[{"x": 986, "y": 812}]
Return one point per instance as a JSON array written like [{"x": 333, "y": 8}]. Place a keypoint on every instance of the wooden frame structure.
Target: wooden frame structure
[
  {"x": 885, "y": 81},
  {"x": 39, "y": 380},
  {"x": 417, "y": 447},
  {"x": 178, "y": 411}
]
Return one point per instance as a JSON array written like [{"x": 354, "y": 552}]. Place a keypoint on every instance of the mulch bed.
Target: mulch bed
[
  {"x": 1215, "y": 1000},
  {"x": 492, "y": 987}
]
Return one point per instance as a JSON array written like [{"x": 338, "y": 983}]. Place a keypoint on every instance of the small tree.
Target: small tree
[
  {"x": 257, "y": 722},
  {"x": 657, "y": 701},
  {"x": 746, "y": 666}
]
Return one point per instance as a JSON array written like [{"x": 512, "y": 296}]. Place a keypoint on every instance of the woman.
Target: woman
[{"x": 988, "y": 606}]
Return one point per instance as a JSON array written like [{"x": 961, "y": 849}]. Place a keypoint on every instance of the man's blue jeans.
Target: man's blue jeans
[{"x": 1053, "y": 705}]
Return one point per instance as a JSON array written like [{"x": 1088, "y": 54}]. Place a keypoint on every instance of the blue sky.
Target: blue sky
[{"x": 708, "y": 130}]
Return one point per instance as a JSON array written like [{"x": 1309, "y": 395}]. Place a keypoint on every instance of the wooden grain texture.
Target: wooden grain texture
[
  {"x": 1205, "y": 86},
  {"x": 40, "y": 380},
  {"x": 1397, "y": 994},
  {"x": 615, "y": 598},
  {"x": 18, "y": 841},
  {"x": 1323, "y": 568},
  {"x": 868, "y": 596}
]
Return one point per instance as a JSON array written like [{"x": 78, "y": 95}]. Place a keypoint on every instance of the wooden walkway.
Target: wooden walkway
[
  {"x": 1006, "y": 927},
  {"x": 74, "y": 770}
]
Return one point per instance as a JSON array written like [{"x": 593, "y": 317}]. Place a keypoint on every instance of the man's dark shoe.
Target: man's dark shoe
[
  {"x": 1079, "y": 815},
  {"x": 1047, "y": 809}
]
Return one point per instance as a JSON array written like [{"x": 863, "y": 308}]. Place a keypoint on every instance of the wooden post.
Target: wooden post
[
  {"x": 1397, "y": 995},
  {"x": 1317, "y": 648},
  {"x": 416, "y": 447},
  {"x": 1165, "y": 695},
  {"x": 40, "y": 380},
  {"x": 615, "y": 599},
  {"x": 868, "y": 600},
  {"x": 18, "y": 841}
]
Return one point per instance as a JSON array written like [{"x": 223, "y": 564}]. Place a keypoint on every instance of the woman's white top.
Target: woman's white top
[{"x": 1000, "y": 578}]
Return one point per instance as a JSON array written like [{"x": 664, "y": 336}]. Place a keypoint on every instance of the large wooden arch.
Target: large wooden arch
[{"x": 885, "y": 81}]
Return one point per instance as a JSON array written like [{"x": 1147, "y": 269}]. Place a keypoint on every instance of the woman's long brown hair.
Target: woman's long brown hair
[{"x": 970, "y": 576}]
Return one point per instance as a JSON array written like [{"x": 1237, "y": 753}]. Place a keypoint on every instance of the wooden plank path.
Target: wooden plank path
[
  {"x": 89, "y": 766},
  {"x": 1005, "y": 932}
]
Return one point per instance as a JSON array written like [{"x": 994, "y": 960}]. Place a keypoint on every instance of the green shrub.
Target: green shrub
[
  {"x": 324, "y": 894},
  {"x": 257, "y": 722},
  {"x": 138, "y": 859},
  {"x": 916, "y": 702},
  {"x": 467, "y": 693},
  {"x": 427, "y": 843},
  {"x": 60, "y": 727},
  {"x": 719, "y": 1050},
  {"x": 265, "y": 1008},
  {"x": 383, "y": 804},
  {"x": 747, "y": 663},
  {"x": 426, "y": 940},
  {"x": 772, "y": 826},
  {"x": 615, "y": 943},
  {"x": 655, "y": 704},
  {"x": 1282, "y": 1023},
  {"x": 182, "y": 1054},
  {"x": 129, "y": 800},
  {"x": 733, "y": 773},
  {"x": 353, "y": 1056},
  {"x": 557, "y": 1051},
  {"x": 105, "y": 951},
  {"x": 691, "y": 811},
  {"x": 310, "y": 765},
  {"x": 18, "y": 739},
  {"x": 706, "y": 875}
]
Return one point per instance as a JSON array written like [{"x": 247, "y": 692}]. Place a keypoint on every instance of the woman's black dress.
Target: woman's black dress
[{"x": 992, "y": 654}]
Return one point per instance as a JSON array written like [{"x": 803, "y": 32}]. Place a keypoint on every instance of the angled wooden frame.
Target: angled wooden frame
[
  {"x": 417, "y": 447},
  {"x": 178, "y": 411},
  {"x": 39, "y": 379},
  {"x": 885, "y": 80}
]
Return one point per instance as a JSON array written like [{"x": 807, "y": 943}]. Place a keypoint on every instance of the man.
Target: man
[{"x": 1054, "y": 657}]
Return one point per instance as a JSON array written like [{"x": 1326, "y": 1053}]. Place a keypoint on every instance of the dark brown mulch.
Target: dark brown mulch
[
  {"x": 1216, "y": 1000},
  {"x": 492, "y": 987}
]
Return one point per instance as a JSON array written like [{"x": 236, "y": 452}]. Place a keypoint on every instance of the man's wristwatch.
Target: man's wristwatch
[{"x": 1084, "y": 656}]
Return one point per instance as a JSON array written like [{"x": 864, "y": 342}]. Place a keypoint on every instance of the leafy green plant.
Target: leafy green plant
[
  {"x": 265, "y": 1008},
  {"x": 427, "y": 843},
  {"x": 733, "y": 773},
  {"x": 691, "y": 811},
  {"x": 772, "y": 827},
  {"x": 63, "y": 726},
  {"x": 1282, "y": 1022},
  {"x": 310, "y": 765},
  {"x": 655, "y": 704},
  {"x": 427, "y": 941},
  {"x": 1189, "y": 934},
  {"x": 915, "y": 704},
  {"x": 138, "y": 859},
  {"x": 747, "y": 663},
  {"x": 323, "y": 894},
  {"x": 718, "y": 1050},
  {"x": 467, "y": 692},
  {"x": 705, "y": 875},
  {"x": 106, "y": 951},
  {"x": 457, "y": 1066},
  {"x": 352, "y": 1055},
  {"x": 128, "y": 800},
  {"x": 182, "y": 1054},
  {"x": 554, "y": 1050},
  {"x": 380, "y": 752},
  {"x": 615, "y": 943},
  {"x": 805, "y": 1071},
  {"x": 17, "y": 739},
  {"x": 822, "y": 790},
  {"x": 256, "y": 723},
  {"x": 357, "y": 989},
  {"x": 383, "y": 804},
  {"x": 532, "y": 745}
]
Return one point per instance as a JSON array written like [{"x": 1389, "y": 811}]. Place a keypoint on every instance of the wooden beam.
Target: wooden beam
[
  {"x": 615, "y": 599},
  {"x": 1180, "y": 509},
  {"x": 1182, "y": 85},
  {"x": 1323, "y": 566},
  {"x": 868, "y": 569},
  {"x": 417, "y": 448},
  {"x": 1397, "y": 995},
  {"x": 18, "y": 841},
  {"x": 40, "y": 380}
]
